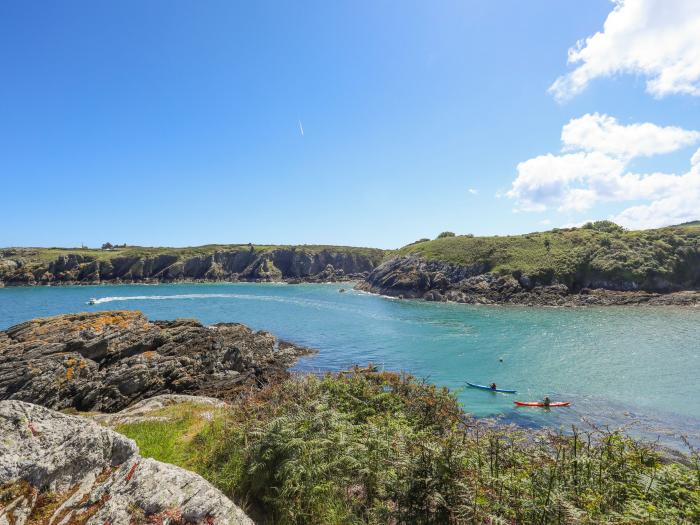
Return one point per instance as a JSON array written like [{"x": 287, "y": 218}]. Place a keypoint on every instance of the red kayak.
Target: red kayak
[{"x": 540, "y": 404}]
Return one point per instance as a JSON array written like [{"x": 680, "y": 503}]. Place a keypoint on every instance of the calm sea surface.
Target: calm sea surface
[{"x": 635, "y": 367}]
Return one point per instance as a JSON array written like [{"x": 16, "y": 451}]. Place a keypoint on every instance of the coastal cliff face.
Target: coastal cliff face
[
  {"x": 414, "y": 277},
  {"x": 26, "y": 266},
  {"x": 108, "y": 360},
  {"x": 562, "y": 267}
]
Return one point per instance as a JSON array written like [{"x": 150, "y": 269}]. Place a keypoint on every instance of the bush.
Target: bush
[
  {"x": 604, "y": 226},
  {"x": 445, "y": 234},
  {"x": 375, "y": 448}
]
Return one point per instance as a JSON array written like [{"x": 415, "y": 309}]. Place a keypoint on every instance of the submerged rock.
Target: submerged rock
[
  {"x": 106, "y": 361},
  {"x": 67, "y": 469}
]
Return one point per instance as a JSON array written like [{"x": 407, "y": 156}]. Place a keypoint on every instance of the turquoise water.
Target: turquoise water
[{"x": 618, "y": 366}]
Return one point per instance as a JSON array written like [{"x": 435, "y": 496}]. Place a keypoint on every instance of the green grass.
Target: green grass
[
  {"x": 386, "y": 448},
  {"x": 568, "y": 254},
  {"x": 166, "y": 440}
]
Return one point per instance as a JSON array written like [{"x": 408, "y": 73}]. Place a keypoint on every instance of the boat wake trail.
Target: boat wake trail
[{"x": 103, "y": 300}]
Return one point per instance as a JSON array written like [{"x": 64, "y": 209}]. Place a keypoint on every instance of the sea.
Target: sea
[{"x": 631, "y": 368}]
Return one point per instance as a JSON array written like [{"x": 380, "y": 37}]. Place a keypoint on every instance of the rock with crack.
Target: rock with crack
[
  {"x": 61, "y": 469},
  {"x": 106, "y": 361}
]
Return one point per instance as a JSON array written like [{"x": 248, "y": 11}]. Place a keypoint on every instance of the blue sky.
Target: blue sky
[{"x": 177, "y": 123}]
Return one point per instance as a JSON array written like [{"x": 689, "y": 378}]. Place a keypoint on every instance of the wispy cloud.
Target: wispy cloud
[
  {"x": 301, "y": 128},
  {"x": 473, "y": 191}
]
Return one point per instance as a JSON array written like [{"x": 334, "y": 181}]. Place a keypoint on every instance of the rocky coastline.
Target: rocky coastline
[
  {"x": 28, "y": 267},
  {"x": 106, "y": 361},
  {"x": 113, "y": 368},
  {"x": 413, "y": 277},
  {"x": 404, "y": 276}
]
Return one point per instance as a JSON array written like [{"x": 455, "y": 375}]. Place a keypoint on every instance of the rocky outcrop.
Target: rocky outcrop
[
  {"x": 106, "y": 361},
  {"x": 414, "y": 277},
  {"x": 292, "y": 264},
  {"x": 60, "y": 469}
]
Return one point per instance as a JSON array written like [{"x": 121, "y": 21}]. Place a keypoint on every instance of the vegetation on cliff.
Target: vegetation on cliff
[
  {"x": 572, "y": 255},
  {"x": 21, "y": 266},
  {"x": 45, "y": 255},
  {"x": 368, "y": 447}
]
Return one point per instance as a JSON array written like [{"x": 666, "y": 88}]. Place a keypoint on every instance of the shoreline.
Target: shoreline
[
  {"x": 545, "y": 297},
  {"x": 156, "y": 282}
]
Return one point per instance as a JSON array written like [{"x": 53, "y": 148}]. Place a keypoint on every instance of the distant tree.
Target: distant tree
[
  {"x": 547, "y": 244},
  {"x": 445, "y": 234},
  {"x": 604, "y": 226},
  {"x": 107, "y": 246}
]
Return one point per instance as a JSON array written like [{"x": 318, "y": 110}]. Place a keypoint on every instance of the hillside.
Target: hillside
[
  {"x": 246, "y": 262},
  {"x": 598, "y": 256}
]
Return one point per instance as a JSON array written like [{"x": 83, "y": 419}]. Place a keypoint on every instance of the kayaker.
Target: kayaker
[
  {"x": 546, "y": 401},
  {"x": 493, "y": 386}
]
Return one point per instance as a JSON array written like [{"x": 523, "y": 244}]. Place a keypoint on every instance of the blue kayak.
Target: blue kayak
[{"x": 485, "y": 387}]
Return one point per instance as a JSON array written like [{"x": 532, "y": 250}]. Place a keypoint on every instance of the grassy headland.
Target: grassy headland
[
  {"x": 600, "y": 248},
  {"x": 41, "y": 256},
  {"x": 377, "y": 448}
]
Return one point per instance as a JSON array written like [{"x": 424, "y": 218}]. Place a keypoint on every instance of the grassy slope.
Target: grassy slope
[
  {"x": 625, "y": 254},
  {"x": 385, "y": 448},
  {"x": 46, "y": 255}
]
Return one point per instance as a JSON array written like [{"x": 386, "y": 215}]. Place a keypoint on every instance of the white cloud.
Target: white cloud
[
  {"x": 657, "y": 39},
  {"x": 473, "y": 191},
  {"x": 695, "y": 161},
  {"x": 594, "y": 168},
  {"x": 596, "y": 132},
  {"x": 679, "y": 206},
  {"x": 550, "y": 180}
]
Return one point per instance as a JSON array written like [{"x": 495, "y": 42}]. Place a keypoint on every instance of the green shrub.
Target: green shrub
[
  {"x": 573, "y": 254},
  {"x": 376, "y": 448}
]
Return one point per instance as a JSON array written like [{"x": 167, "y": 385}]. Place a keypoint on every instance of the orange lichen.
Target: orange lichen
[
  {"x": 149, "y": 354},
  {"x": 105, "y": 320},
  {"x": 69, "y": 373}
]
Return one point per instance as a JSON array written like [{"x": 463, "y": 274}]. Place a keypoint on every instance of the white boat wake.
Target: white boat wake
[{"x": 103, "y": 300}]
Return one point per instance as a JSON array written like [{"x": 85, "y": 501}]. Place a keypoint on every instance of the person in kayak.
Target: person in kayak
[
  {"x": 493, "y": 386},
  {"x": 546, "y": 401}
]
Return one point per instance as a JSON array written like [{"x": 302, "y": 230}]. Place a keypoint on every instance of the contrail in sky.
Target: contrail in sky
[{"x": 301, "y": 128}]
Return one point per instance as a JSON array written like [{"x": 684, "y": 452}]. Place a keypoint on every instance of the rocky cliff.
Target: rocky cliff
[
  {"x": 412, "y": 276},
  {"x": 599, "y": 263},
  {"x": 27, "y": 266},
  {"x": 61, "y": 469},
  {"x": 106, "y": 361}
]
